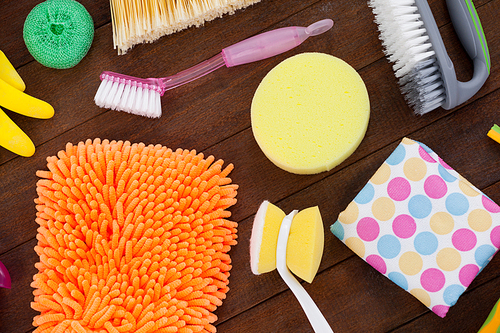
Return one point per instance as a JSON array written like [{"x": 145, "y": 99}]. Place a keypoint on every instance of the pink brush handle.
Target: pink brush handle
[
  {"x": 4, "y": 276},
  {"x": 271, "y": 43}
]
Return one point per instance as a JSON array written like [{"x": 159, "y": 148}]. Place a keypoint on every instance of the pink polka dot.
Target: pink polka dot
[
  {"x": 443, "y": 163},
  {"x": 425, "y": 155},
  {"x": 440, "y": 310},
  {"x": 467, "y": 274},
  {"x": 404, "y": 226},
  {"x": 377, "y": 262},
  {"x": 464, "y": 239},
  {"x": 398, "y": 189},
  {"x": 432, "y": 280},
  {"x": 490, "y": 206},
  {"x": 368, "y": 229},
  {"x": 435, "y": 187},
  {"x": 495, "y": 236}
]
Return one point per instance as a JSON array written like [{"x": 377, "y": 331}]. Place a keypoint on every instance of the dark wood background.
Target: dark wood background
[{"x": 212, "y": 115}]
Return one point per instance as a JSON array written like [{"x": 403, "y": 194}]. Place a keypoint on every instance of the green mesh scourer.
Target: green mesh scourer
[{"x": 58, "y": 33}]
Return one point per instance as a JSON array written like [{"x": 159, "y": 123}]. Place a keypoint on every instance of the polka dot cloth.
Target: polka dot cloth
[{"x": 422, "y": 225}]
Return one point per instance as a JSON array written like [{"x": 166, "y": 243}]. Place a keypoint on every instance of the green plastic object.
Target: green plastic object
[{"x": 58, "y": 33}]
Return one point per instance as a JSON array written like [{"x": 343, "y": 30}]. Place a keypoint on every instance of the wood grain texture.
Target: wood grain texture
[{"x": 212, "y": 115}]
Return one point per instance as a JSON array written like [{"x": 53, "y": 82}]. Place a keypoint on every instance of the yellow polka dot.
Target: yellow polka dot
[
  {"x": 350, "y": 214},
  {"x": 467, "y": 188},
  {"x": 479, "y": 220},
  {"x": 415, "y": 169},
  {"x": 382, "y": 175},
  {"x": 448, "y": 259},
  {"x": 356, "y": 245},
  {"x": 383, "y": 209},
  {"x": 442, "y": 223},
  {"x": 408, "y": 142},
  {"x": 422, "y": 296},
  {"x": 410, "y": 263}
]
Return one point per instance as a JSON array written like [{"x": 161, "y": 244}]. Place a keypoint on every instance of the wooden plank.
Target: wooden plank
[
  {"x": 74, "y": 103},
  {"x": 478, "y": 155},
  {"x": 390, "y": 119},
  {"x": 332, "y": 195},
  {"x": 16, "y": 314},
  {"x": 354, "y": 296}
]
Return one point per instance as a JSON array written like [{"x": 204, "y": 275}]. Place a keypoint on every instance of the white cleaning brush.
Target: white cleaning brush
[
  {"x": 142, "y": 96},
  {"x": 413, "y": 44}
]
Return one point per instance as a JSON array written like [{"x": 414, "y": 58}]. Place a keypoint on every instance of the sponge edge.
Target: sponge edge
[
  {"x": 305, "y": 244},
  {"x": 264, "y": 239},
  {"x": 310, "y": 113}
]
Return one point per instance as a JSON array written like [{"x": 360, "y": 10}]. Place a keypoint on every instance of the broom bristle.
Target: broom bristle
[
  {"x": 144, "y": 21},
  {"x": 407, "y": 45}
]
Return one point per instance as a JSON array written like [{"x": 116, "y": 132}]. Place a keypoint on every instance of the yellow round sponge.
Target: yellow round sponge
[{"x": 310, "y": 113}]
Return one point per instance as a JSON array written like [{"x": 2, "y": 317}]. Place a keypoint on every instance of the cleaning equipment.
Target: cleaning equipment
[
  {"x": 22, "y": 103},
  {"x": 4, "y": 277},
  {"x": 494, "y": 133},
  {"x": 9, "y": 74},
  {"x": 264, "y": 239},
  {"x": 422, "y": 225},
  {"x": 132, "y": 238},
  {"x": 305, "y": 241},
  {"x": 13, "y": 98},
  {"x": 293, "y": 241},
  {"x": 142, "y": 96},
  {"x": 58, "y": 33},
  {"x": 145, "y": 21},
  {"x": 412, "y": 41},
  {"x": 322, "y": 107},
  {"x": 492, "y": 323}
]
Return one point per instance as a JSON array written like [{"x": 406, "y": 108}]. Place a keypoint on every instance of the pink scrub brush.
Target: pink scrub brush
[{"x": 142, "y": 96}]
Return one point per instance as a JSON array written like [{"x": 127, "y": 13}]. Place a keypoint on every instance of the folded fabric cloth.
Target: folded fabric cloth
[{"x": 422, "y": 225}]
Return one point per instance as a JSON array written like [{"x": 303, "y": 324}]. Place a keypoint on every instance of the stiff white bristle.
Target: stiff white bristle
[
  {"x": 407, "y": 45},
  {"x": 129, "y": 96}
]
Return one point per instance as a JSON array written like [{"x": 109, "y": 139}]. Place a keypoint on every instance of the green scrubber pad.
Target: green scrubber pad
[{"x": 58, "y": 33}]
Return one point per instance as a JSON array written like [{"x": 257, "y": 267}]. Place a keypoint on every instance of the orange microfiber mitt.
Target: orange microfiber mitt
[{"x": 132, "y": 238}]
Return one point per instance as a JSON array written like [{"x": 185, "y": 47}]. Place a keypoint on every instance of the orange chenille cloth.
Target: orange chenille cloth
[{"x": 132, "y": 238}]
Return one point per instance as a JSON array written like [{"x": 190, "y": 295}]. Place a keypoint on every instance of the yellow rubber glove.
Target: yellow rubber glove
[
  {"x": 13, "y": 138},
  {"x": 9, "y": 74},
  {"x": 13, "y": 98}
]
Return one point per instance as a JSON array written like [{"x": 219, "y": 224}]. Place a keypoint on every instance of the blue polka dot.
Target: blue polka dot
[
  {"x": 483, "y": 254},
  {"x": 419, "y": 206},
  {"x": 388, "y": 246},
  {"x": 452, "y": 293},
  {"x": 426, "y": 243},
  {"x": 338, "y": 230},
  {"x": 398, "y": 279},
  {"x": 445, "y": 174},
  {"x": 365, "y": 195},
  {"x": 397, "y": 155},
  {"x": 457, "y": 204}
]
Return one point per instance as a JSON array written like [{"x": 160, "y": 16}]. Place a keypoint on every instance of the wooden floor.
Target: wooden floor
[{"x": 212, "y": 115}]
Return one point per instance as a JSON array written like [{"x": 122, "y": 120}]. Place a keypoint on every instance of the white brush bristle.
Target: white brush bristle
[
  {"x": 407, "y": 45},
  {"x": 129, "y": 96}
]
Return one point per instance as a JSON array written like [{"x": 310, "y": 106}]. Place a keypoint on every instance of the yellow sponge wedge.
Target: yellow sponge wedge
[
  {"x": 305, "y": 241},
  {"x": 265, "y": 230},
  {"x": 310, "y": 113},
  {"x": 305, "y": 244}
]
